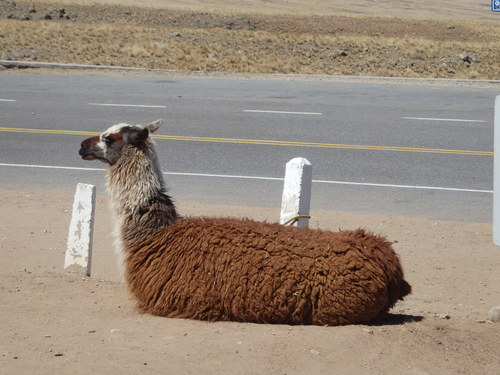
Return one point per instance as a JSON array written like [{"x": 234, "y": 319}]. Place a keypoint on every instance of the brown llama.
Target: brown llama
[{"x": 236, "y": 269}]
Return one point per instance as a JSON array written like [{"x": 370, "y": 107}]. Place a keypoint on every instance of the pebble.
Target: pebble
[
  {"x": 445, "y": 316},
  {"x": 314, "y": 351},
  {"x": 494, "y": 314}
]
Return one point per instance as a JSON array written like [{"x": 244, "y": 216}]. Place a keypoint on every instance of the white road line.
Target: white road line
[
  {"x": 281, "y": 112},
  {"x": 442, "y": 119},
  {"x": 266, "y": 178},
  {"x": 7, "y": 100},
  {"x": 50, "y": 167},
  {"x": 223, "y": 176},
  {"x": 403, "y": 186},
  {"x": 128, "y": 105}
]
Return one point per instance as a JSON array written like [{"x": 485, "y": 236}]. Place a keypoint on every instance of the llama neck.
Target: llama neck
[{"x": 138, "y": 194}]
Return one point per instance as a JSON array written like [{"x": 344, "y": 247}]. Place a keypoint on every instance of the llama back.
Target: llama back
[{"x": 242, "y": 270}]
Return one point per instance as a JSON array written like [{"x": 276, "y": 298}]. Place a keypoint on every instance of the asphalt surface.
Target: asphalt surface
[{"x": 389, "y": 149}]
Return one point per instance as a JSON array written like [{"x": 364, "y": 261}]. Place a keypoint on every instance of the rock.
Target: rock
[
  {"x": 468, "y": 57},
  {"x": 494, "y": 314},
  {"x": 339, "y": 53},
  {"x": 31, "y": 9},
  {"x": 314, "y": 351},
  {"x": 445, "y": 316},
  {"x": 48, "y": 16}
]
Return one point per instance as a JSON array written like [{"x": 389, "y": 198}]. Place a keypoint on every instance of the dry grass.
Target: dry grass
[{"x": 200, "y": 41}]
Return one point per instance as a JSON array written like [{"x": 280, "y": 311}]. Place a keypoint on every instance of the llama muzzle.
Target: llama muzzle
[
  {"x": 86, "y": 155},
  {"x": 88, "y": 149}
]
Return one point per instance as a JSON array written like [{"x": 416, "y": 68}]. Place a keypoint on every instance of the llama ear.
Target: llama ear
[{"x": 154, "y": 126}]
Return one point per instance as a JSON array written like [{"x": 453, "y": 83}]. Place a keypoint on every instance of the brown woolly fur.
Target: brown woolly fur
[
  {"x": 242, "y": 270},
  {"x": 236, "y": 269}
]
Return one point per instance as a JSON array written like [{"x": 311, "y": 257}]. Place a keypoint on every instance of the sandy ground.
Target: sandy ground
[
  {"x": 443, "y": 9},
  {"x": 257, "y": 42},
  {"x": 60, "y": 322}
]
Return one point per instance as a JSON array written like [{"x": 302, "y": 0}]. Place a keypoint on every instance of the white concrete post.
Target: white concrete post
[
  {"x": 81, "y": 227},
  {"x": 296, "y": 200},
  {"x": 496, "y": 175}
]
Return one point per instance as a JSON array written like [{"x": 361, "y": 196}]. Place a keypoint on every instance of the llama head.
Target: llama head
[{"x": 110, "y": 145}]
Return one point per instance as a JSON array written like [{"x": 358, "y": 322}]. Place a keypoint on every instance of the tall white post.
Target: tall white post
[
  {"x": 81, "y": 227},
  {"x": 296, "y": 200},
  {"x": 496, "y": 175}
]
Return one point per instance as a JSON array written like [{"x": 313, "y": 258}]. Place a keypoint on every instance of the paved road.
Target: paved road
[{"x": 406, "y": 150}]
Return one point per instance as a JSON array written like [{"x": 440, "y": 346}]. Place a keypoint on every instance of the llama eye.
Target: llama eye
[{"x": 108, "y": 141}]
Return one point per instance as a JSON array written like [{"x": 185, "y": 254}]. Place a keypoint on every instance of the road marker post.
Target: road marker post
[
  {"x": 81, "y": 227},
  {"x": 296, "y": 199},
  {"x": 496, "y": 175}
]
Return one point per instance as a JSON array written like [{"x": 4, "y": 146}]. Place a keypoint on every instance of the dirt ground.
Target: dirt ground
[
  {"x": 60, "y": 322},
  {"x": 447, "y": 39},
  {"x": 443, "y": 9}
]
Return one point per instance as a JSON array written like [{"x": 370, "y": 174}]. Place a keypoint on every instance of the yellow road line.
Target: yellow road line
[
  {"x": 46, "y": 131},
  {"x": 266, "y": 142}
]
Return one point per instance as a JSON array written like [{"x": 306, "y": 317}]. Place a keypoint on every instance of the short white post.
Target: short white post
[
  {"x": 81, "y": 227},
  {"x": 296, "y": 200},
  {"x": 496, "y": 175}
]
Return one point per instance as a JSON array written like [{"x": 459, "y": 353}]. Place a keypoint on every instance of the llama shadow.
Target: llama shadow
[{"x": 395, "y": 320}]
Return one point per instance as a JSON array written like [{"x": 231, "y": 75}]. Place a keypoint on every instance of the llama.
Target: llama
[{"x": 224, "y": 269}]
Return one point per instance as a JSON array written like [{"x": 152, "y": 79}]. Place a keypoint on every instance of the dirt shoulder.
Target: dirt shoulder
[
  {"x": 237, "y": 41},
  {"x": 55, "y": 322}
]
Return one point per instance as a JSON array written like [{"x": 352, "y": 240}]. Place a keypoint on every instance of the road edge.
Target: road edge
[{"x": 13, "y": 64}]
